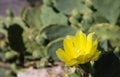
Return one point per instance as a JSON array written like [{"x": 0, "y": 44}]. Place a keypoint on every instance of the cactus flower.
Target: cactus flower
[{"x": 79, "y": 49}]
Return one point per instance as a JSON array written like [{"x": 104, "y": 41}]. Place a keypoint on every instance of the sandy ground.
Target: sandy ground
[{"x": 14, "y": 5}]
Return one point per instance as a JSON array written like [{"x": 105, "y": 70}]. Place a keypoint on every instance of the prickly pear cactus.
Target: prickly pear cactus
[
  {"x": 108, "y": 32},
  {"x": 31, "y": 39},
  {"x": 111, "y": 13}
]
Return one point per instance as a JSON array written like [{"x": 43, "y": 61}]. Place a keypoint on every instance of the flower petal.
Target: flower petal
[
  {"x": 89, "y": 43},
  {"x": 81, "y": 40},
  {"x": 95, "y": 44},
  {"x": 70, "y": 46},
  {"x": 93, "y": 50},
  {"x": 72, "y": 62},
  {"x": 81, "y": 58},
  {"x": 96, "y": 55},
  {"x": 61, "y": 54}
]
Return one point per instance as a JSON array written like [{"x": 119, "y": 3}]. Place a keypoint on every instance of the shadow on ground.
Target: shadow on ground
[{"x": 107, "y": 66}]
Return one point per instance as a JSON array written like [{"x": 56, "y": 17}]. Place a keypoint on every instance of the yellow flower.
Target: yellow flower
[
  {"x": 79, "y": 49},
  {"x": 66, "y": 75}
]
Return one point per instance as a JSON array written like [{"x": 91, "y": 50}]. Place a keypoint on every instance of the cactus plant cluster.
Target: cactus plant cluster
[{"x": 33, "y": 37}]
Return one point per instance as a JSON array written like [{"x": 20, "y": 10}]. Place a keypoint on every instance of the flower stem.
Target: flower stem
[{"x": 83, "y": 72}]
